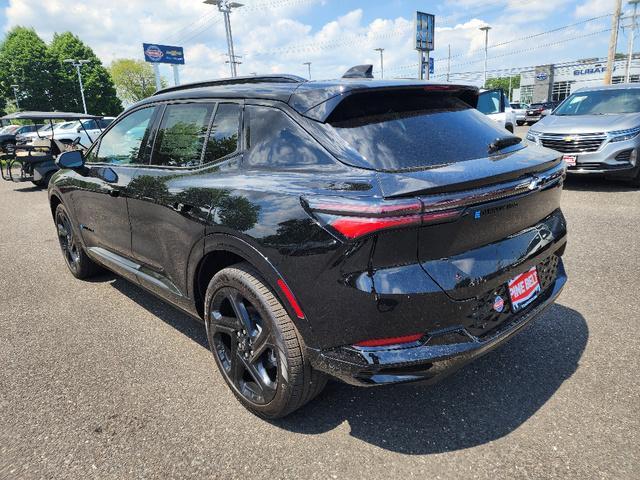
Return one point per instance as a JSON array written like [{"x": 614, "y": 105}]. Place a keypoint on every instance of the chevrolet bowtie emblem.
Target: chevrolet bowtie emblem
[{"x": 568, "y": 139}]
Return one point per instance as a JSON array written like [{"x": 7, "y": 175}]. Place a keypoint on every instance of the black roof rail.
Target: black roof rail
[{"x": 278, "y": 78}]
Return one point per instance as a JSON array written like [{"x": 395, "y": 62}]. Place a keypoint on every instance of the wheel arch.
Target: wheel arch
[
  {"x": 54, "y": 201},
  {"x": 223, "y": 250}
]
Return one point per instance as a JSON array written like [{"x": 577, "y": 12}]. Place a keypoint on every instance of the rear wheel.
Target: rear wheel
[
  {"x": 80, "y": 265},
  {"x": 256, "y": 345}
]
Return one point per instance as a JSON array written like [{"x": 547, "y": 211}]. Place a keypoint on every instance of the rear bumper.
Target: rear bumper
[{"x": 437, "y": 355}]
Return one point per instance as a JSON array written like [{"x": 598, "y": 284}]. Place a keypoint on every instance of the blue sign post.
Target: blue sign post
[
  {"x": 424, "y": 24},
  {"x": 156, "y": 54}
]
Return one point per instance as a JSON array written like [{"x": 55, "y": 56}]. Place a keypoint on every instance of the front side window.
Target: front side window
[
  {"x": 223, "y": 138},
  {"x": 181, "y": 135},
  {"x": 122, "y": 144}
]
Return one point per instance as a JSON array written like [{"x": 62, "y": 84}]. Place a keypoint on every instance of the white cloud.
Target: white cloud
[
  {"x": 593, "y": 8},
  {"x": 274, "y": 39}
]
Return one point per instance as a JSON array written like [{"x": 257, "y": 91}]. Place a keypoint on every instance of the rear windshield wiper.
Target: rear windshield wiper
[{"x": 504, "y": 142}]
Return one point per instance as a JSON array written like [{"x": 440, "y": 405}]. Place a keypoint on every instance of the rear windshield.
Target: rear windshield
[{"x": 413, "y": 130}]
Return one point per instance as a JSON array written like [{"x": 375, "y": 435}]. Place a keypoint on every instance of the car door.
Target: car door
[
  {"x": 99, "y": 193},
  {"x": 170, "y": 199}
]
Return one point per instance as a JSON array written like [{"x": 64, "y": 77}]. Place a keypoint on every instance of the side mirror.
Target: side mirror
[{"x": 72, "y": 160}]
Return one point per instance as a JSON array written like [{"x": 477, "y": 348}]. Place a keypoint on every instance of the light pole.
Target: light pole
[
  {"x": 627, "y": 77},
  {"x": 78, "y": 64},
  {"x": 308, "y": 64},
  {"x": 381, "y": 61},
  {"x": 225, "y": 7},
  {"x": 485, "y": 29},
  {"x": 15, "y": 93}
]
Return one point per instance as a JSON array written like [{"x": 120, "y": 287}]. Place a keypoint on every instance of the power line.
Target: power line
[{"x": 514, "y": 52}]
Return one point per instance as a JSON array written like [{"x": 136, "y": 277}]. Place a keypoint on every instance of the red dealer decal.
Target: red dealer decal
[{"x": 524, "y": 288}]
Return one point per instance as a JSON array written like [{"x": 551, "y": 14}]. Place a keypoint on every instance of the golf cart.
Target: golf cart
[{"x": 35, "y": 162}]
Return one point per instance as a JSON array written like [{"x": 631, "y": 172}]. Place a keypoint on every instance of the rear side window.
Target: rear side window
[
  {"x": 276, "y": 141},
  {"x": 413, "y": 129},
  {"x": 223, "y": 137},
  {"x": 181, "y": 135}
]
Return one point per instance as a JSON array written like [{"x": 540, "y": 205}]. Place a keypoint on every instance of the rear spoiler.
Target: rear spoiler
[{"x": 318, "y": 103}]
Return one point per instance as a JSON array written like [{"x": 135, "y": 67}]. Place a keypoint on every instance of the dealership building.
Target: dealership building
[{"x": 556, "y": 82}]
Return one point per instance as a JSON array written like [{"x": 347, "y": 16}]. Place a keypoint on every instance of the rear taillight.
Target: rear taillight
[
  {"x": 356, "y": 218},
  {"x": 384, "y": 342}
]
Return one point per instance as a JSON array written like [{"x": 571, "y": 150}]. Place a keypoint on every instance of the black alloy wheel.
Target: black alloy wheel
[
  {"x": 256, "y": 345},
  {"x": 68, "y": 244},
  {"x": 80, "y": 265},
  {"x": 244, "y": 346}
]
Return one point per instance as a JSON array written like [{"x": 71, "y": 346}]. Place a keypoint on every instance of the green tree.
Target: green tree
[
  {"x": 99, "y": 90},
  {"x": 503, "y": 83},
  {"x": 25, "y": 61},
  {"x": 134, "y": 79}
]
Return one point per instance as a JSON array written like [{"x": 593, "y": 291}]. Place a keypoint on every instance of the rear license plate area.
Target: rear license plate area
[{"x": 524, "y": 289}]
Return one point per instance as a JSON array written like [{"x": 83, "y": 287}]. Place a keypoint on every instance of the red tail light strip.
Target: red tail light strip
[
  {"x": 354, "y": 227},
  {"x": 383, "y": 342}
]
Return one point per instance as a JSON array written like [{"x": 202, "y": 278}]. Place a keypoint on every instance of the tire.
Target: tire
[
  {"x": 242, "y": 314},
  {"x": 519, "y": 123},
  {"x": 635, "y": 181},
  {"x": 79, "y": 264}
]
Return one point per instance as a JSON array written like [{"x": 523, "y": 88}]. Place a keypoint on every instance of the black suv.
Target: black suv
[{"x": 373, "y": 231}]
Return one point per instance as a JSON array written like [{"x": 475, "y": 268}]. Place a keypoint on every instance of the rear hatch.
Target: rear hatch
[{"x": 486, "y": 196}]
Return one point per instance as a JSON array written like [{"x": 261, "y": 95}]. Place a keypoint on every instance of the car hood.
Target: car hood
[{"x": 587, "y": 123}]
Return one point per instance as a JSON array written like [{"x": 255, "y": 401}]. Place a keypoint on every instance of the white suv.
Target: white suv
[
  {"x": 495, "y": 105},
  {"x": 83, "y": 134}
]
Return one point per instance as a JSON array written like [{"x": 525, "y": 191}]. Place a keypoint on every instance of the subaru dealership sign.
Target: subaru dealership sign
[{"x": 154, "y": 53}]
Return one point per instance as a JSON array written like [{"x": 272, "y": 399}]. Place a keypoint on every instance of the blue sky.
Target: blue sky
[{"x": 279, "y": 35}]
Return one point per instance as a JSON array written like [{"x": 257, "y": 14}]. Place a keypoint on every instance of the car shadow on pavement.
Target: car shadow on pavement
[
  {"x": 180, "y": 321},
  {"x": 597, "y": 184},
  {"x": 484, "y": 401}
]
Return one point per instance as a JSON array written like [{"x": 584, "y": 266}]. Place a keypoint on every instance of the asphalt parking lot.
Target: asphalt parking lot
[{"x": 101, "y": 380}]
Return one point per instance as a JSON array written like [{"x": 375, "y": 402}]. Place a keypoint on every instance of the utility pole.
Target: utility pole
[
  {"x": 449, "y": 64},
  {"x": 381, "y": 61},
  {"x": 486, "y": 29},
  {"x": 613, "y": 42},
  {"x": 78, "y": 64},
  {"x": 15, "y": 93},
  {"x": 225, "y": 7},
  {"x": 308, "y": 64},
  {"x": 176, "y": 75},
  {"x": 627, "y": 76}
]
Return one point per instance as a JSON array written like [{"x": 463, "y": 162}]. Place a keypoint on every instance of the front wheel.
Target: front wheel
[
  {"x": 256, "y": 346},
  {"x": 80, "y": 265}
]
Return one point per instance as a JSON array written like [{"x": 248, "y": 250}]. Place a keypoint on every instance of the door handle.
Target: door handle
[{"x": 114, "y": 192}]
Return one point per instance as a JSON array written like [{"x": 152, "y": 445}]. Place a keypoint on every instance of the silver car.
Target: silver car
[{"x": 597, "y": 129}]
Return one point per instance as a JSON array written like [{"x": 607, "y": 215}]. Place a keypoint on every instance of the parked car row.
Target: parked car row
[{"x": 358, "y": 236}]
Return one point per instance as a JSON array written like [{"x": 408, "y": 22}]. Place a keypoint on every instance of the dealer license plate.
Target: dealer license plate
[
  {"x": 524, "y": 289},
  {"x": 570, "y": 160}
]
